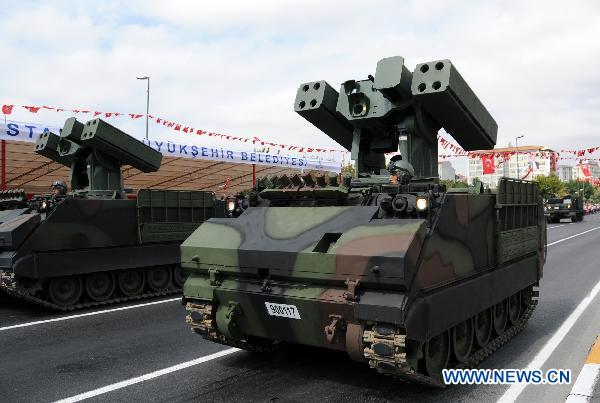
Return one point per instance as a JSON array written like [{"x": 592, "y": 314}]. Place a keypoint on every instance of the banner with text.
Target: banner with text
[{"x": 29, "y": 132}]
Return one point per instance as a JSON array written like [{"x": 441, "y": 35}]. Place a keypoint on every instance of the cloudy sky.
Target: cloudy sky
[{"x": 234, "y": 67}]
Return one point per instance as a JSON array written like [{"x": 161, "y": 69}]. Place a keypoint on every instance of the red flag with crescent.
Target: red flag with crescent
[
  {"x": 7, "y": 109},
  {"x": 586, "y": 170},
  {"x": 487, "y": 161}
]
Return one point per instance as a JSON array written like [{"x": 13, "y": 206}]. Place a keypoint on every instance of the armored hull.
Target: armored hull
[
  {"x": 88, "y": 252},
  {"x": 383, "y": 288}
]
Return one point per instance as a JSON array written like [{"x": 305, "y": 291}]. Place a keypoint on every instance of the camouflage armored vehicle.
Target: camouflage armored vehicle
[
  {"x": 389, "y": 266},
  {"x": 568, "y": 206},
  {"x": 96, "y": 245}
]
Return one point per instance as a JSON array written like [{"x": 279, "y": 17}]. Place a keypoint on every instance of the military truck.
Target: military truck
[
  {"x": 389, "y": 266},
  {"x": 96, "y": 245},
  {"x": 568, "y": 206}
]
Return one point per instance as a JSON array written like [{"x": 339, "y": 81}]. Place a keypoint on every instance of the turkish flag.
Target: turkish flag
[
  {"x": 7, "y": 109},
  {"x": 487, "y": 161},
  {"x": 586, "y": 170},
  {"x": 32, "y": 109}
]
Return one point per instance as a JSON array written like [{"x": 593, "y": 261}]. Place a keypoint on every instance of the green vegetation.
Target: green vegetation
[
  {"x": 348, "y": 169},
  {"x": 454, "y": 184},
  {"x": 550, "y": 185},
  {"x": 572, "y": 187}
]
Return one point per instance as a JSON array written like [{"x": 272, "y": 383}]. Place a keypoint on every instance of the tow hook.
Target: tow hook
[
  {"x": 266, "y": 285},
  {"x": 337, "y": 322}
]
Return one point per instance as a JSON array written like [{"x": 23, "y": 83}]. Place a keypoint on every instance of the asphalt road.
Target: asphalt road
[{"x": 56, "y": 360}]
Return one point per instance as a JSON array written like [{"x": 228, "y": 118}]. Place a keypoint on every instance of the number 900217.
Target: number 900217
[{"x": 282, "y": 310}]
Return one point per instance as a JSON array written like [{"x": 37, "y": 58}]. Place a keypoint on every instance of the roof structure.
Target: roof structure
[{"x": 29, "y": 171}]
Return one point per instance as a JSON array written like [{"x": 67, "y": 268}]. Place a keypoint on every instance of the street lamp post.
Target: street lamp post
[
  {"x": 147, "y": 101},
  {"x": 517, "y": 147}
]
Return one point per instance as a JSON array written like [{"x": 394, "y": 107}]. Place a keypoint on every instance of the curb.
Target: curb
[{"x": 588, "y": 379}]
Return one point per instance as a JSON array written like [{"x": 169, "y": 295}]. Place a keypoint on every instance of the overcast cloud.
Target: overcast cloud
[{"x": 234, "y": 66}]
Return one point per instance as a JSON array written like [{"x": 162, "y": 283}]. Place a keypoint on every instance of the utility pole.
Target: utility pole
[
  {"x": 147, "y": 101},
  {"x": 517, "y": 148}
]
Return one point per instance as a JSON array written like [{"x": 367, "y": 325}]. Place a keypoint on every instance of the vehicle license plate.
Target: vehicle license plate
[{"x": 283, "y": 310}]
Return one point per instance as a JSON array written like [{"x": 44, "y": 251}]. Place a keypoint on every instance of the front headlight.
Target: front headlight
[
  {"x": 422, "y": 203},
  {"x": 230, "y": 205},
  {"x": 568, "y": 206}
]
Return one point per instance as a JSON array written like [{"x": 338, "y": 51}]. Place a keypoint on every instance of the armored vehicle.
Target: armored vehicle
[
  {"x": 568, "y": 206},
  {"x": 388, "y": 266},
  {"x": 96, "y": 244}
]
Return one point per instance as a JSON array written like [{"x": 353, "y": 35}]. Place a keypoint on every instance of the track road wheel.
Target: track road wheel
[
  {"x": 437, "y": 354},
  {"x": 159, "y": 278},
  {"x": 483, "y": 327},
  {"x": 179, "y": 276},
  {"x": 131, "y": 282},
  {"x": 514, "y": 308},
  {"x": 462, "y": 340},
  {"x": 500, "y": 316},
  {"x": 65, "y": 291},
  {"x": 100, "y": 286}
]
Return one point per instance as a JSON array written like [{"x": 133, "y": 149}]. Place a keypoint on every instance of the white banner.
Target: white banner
[
  {"x": 30, "y": 131},
  {"x": 225, "y": 154}
]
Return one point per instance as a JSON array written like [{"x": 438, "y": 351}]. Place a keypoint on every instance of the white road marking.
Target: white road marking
[
  {"x": 143, "y": 378},
  {"x": 573, "y": 236},
  {"x": 82, "y": 315},
  {"x": 513, "y": 392},
  {"x": 583, "y": 390},
  {"x": 509, "y": 396},
  {"x": 556, "y": 226}
]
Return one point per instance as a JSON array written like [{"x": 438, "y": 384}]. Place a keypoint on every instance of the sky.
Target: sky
[{"x": 234, "y": 67}]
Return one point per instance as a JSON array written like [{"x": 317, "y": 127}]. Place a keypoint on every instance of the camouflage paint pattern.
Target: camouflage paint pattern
[
  {"x": 388, "y": 257},
  {"x": 77, "y": 225}
]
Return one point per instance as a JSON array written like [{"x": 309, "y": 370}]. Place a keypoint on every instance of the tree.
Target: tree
[
  {"x": 348, "y": 169},
  {"x": 550, "y": 185},
  {"x": 574, "y": 187},
  {"x": 595, "y": 198}
]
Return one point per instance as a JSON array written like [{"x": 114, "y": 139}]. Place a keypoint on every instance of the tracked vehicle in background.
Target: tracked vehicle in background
[
  {"x": 95, "y": 245},
  {"x": 568, "y": 206},
  {"x": 402, "y": 274}
]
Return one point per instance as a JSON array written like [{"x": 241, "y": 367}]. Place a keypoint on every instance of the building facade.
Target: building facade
[
  {"x": 564, "y": 172},
  {"x": 525, "y": 162},
  {"x": 446, "y": 171},
  {"x": 587, "y": 169}
]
